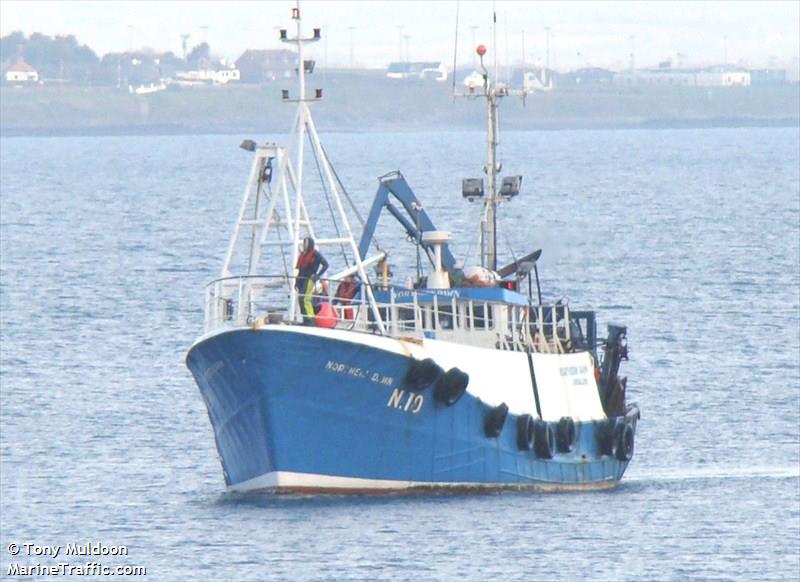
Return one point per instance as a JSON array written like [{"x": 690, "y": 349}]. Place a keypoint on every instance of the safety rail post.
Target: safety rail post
[
  {"x": 499, "y": 330},
  {"x": 212, "y": 308},
  {"x": 219, "y": 306},
  {"x": 514, "y": 332},
  {"x": 238, "y": 305},
  {"x": 525, "y": 328},
  {"x": 418, "y": 328},
  {"x": 361, "y": 320},
  {"x": 392, "y": 311},
  {"x": 218, "y": 296},
  {"x": 435, "y": 322},
  {"x": 555, "y": 340}
]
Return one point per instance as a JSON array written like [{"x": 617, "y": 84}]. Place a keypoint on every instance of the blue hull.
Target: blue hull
[{"x": 281, "y": 403}]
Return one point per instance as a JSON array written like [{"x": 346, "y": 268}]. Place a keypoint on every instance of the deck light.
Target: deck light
[
  {"x": 317, "y": 34},
  {"x": 472, "y": 188},
  {"x": 284, "y": 94},
  {"x": 308, "y": 66},
  {"x": 318, "y": 93},
  {"x": 248, "y": 145},
  {"x": 510, "y": 186},
  {"x": 283, "y": 34}
]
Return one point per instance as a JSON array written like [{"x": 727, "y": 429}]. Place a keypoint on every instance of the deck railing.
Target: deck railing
[{"x": 416, "y": 314}]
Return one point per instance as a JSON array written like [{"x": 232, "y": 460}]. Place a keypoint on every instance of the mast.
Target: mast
[
  {"x": 489, "y": 223},
  {"x": 305, "y": 128},
  {"x": 491, "y": 202},
  {"x": 282, "y": 218},
  {"x": 472, "y": 189}
]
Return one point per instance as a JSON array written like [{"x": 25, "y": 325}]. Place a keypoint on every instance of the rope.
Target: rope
[
  {"x": 277, "y": 218},
  {"x": 360, "y": 218},
  {"x": 508, "y": 241},
  {"x": 328, "y": 201},
  {"x": 472, "y": 247}
]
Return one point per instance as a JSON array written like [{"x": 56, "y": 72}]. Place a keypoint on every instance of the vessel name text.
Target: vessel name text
[
  {"x": 357, "y": 372},
  {"x": 576, "y": 371},
  {"x": 413, "y": 402}
]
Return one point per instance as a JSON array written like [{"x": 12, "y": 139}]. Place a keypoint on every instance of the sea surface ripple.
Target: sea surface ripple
[{"x": 691, "y": 238}]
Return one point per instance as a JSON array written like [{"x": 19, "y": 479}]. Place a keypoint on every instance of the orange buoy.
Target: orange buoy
[{"x": 326, "y": 316}]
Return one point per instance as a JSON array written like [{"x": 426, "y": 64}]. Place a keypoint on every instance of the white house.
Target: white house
[
  {"x": 208, "y": 76},
  {"x": 723, "y": 78},
  {"x": 22, "y": 72},
  {"x": 421, "y": 70}
]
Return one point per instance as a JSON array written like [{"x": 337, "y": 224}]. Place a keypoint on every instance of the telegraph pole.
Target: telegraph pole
[{"x": 352, "y": 50}]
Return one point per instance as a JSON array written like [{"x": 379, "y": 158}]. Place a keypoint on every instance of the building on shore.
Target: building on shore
[
  {"x": 419, "y": 70},
  {"x": 21, "y": 72},
  {"x": 587, "y": 76},
  {"x": 665, "y": 75},
  {"x": 263, "y": 66},
  {"x": 211, "y": 76}
]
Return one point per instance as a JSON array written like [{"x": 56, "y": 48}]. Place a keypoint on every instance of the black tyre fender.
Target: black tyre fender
[
  {"x": 565, "y": 435},
  {"x": 494, "y": 420},
  {"x": 526, "y": 437},
  {"x": 450, "y": 386},
  {"x": 604, "y": 433},
  {"x": 623, "y": 440},
  {"x": 422, "y": 373},
  {"x": 545, "y": 439}
]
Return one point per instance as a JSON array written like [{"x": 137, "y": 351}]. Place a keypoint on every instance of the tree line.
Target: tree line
[{"x": 61, "y": 59}]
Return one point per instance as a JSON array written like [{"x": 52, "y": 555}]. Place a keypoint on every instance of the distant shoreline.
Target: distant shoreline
[
  {"x": 372, "y": 103},
  {"x": 167, "y": 130}
]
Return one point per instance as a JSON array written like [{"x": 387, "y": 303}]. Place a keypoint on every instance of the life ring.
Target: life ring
[
  {"x": 494, "y": 420},
  {"x": 545, "y": 439},
  {"x": 565, "y": 434},
  {"x": 450, "y": 386},
  {"x": 422, "y": 373},
  {"x": 526, "y": 437},
  {"x": 623, "y": 440}
]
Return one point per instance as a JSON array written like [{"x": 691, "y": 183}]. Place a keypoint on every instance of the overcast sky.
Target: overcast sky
[{"x": 581, "y": 33}]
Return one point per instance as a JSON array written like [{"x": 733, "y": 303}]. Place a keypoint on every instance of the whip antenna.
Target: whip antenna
[{"x": 455, "y": 53}]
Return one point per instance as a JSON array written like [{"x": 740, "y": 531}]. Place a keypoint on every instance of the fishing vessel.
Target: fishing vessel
[{"x": 347, "y": 382}]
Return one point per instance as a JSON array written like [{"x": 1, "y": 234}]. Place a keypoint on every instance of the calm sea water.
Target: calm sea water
[{"x": 690, "y": 237}]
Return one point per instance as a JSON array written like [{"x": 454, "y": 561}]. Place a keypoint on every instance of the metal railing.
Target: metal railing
[{"x": 424, "y": 313}]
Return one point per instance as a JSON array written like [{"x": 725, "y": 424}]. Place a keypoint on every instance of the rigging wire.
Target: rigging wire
[
  {"x": 508, "y": 240},
  {"x": 473, "y": 246},
  {"x": 455, "y": 53},
  {"x": 360, "y": 218},
  {"x": 328, "y": 201},
  {"x": 269, "y": 195}
]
